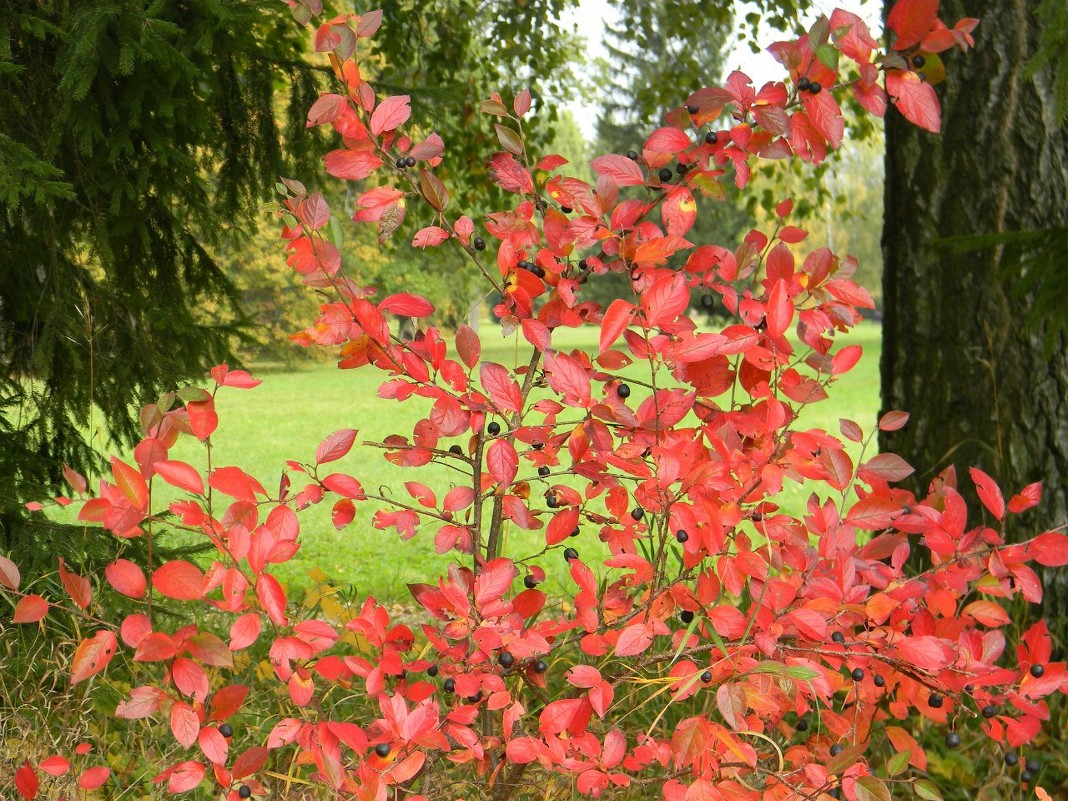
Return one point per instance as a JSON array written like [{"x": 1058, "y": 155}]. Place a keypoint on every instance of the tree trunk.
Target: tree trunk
[{"x": 956, "y": 354}]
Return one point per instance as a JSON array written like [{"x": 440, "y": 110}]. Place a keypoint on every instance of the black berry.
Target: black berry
[
  {"x": 432, "y": 671},
  {"x": 834, "y": 792},
  {"x": 551, "y": 500},
  {"x": 570, "y": 553},
  {"x": 952, "y": 740},
  {"x": 474, "y": 699},
  {"x": 879, "y": 681},
  {"x": 989, "y": 711},
  {"x": 530, "y": 582},
  {"x": 802, "y": 725},
  {"x": 456, "y": 449},
  {"x": 409, "y": 161},
  {"x": 493, "y": 429},
  {"x": 665, "y": 175},
  {"x": 1033, "y": 765},
  {"x": 711, "y": 137},
  {"x": 226, "y": 730},
  {"x": 565, "y": 209},
  {"x": 382, "y": 749},
  {"x": 691, "y": 109},
  {"x": 540, "y": 666},
  {"x": 935, "y": 701},
  {"x": 449, "y": 685},
  {"x": 623, "y": 391},
  {"x": 505, "y": 659},
  {"x": 815, "y": 87},
  {"x": 922, "y": 76},
  {"x": 1037, "y": 671},
  {"x": 480, "y": 243},
  {"x": 838, "y": 637},
  {"x": 918, "y": 61},
  {"x": 400, "y": 162},
  {"x": 574, "y": 532},
  {"x": 583, "y": 264},
  {"x": 706, "y": 677},
  {"x": 686, "y": 616},
  {"x": 538, "y": 271},
  {"x": 1026, "y": 776},
  {"x": 836, "y": 749},
  {"x": 857, "y": 674},
  {"x": 681, "y": 535},
  {"x": 681, "y": 168},
  {"x": 543, "y": 471},
  {"x": 637, "y": 513},
  {"x": 1011, "y": 758},
  {"x": 244, "y": 791},
  {"x": 632, "y": 155},
  {"x": 803, "y": 83}
]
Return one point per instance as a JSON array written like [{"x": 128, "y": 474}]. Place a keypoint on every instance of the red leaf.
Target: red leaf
[
  {"x": 325, "y": 110},
  {"x": 75, "y": 479},
  {"x": 925, "y": 653},
  {"x": 30, "y": 609},
  {"x": 666, "y": 299},
  {"x": 892, "y": 421},
  {"x": 568, "y": 714},
  {"x": 1049, "y": 549},
  {"x": 250, "y": 761},
  {"x": 391, "y": 114},
  {"x": 567, "y": 377},
  {"x": 185, "y": 776},
  {"x": 780, "y": 309},
  {"x": 809, "y": 623},
  {"x": 667, "y": 140},
  {"x": 179, "y": 580},
  {"x": 407, "y": 304},
  {"x": 502, "y": 462},
  {"x": 26, "y": 781},
  {"x": 988, "y": 613},
  {"x": 1026, "y": 498},
  {"x": 510, "y": 175},
  {"x": 92, "y": 778},
  {"x": 429, "y": 237},
  {"x": 874, "y": 512},
  {"x": 915, "y": 99},
  {"x": 634, "y": 639},
  {"x": 561, "y": 526},
  {"x": 494, "y": 580},
  {"x": 885, "y": 467},
  {"x": 213, "y": 744},
  {"x": 127, "y": 578},
  {"x": 236, "y": 483},
  {"x": 911, "y": 20},
  {"x": 227, "y": 701},
  {"x": 342, "y": 513},
  {"x": 616, "y": 319},
  {"x": 825, "y": 114},
  {"x": 369, "y": 23},
  {"x": 620, "y": 169},
  {"x": 521, "y": 103},
  {"x": 272, "y": 598},
  {"x": 202, "y": 418},
  {"x": 55, "y": 765},
  {"x": 468, "y": 345},
  {"x": 335, "y": 446},
  {"x": 352, "y": 165},
  {"x": 244, "y": 631},
  {"x": 180, "y": 475},
  {"x": 77, "y": 587},
  {"x": 846, "y": 359},
  {"x": 9, "y": 574},
  {"x": 502, "y": 389},
  {"x": 92, "y": 655},
  {"x": 185, "y": 724},
  {"x": 989, "y": 493}
]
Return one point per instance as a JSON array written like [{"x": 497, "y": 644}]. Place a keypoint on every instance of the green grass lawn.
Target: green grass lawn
[{"x": 288, "y": 415}]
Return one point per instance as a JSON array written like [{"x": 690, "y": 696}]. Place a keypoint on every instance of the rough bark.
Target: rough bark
[{"x": 956, "y": 354}]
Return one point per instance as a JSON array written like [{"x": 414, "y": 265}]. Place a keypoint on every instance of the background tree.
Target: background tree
[
  {"x": 136, "y": 138},
  {"x": 992, "y": 394}
]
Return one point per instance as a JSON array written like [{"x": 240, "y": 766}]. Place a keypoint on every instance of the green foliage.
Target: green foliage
[
  {"x": 137, "y": 138},
  {"x": 1053, "y": 45}
]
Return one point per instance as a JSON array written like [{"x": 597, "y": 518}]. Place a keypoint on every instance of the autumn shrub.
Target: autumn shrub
[{"x": 725, "y": 649}]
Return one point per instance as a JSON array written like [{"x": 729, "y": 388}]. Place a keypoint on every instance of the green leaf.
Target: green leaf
[
  {"x": 898, "y": 762},
  {"x": 927, "y": 790},
  {"x": 871, "y": 788},
  {"x": 509, "y": 139},
  {"x": 337, "y": 233},
  {"x": 798, "y": 672},
  {"x": 828, "y": 56}
]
